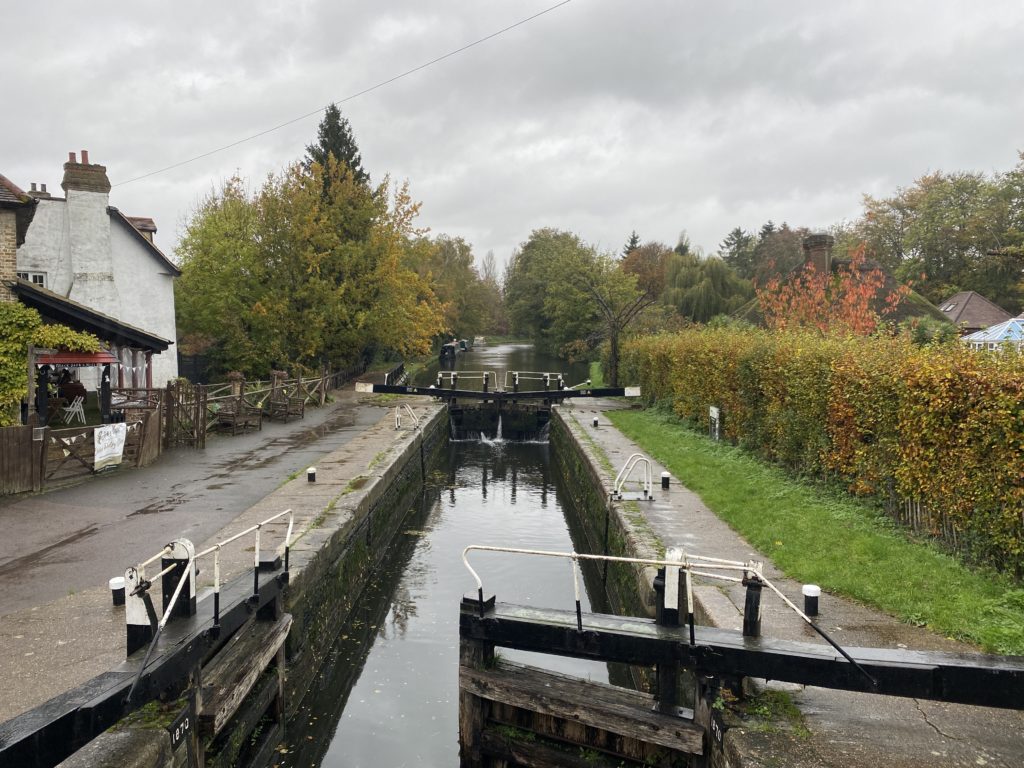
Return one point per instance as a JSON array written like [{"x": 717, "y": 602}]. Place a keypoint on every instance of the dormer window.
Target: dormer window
[{"x": 36, "y": 278}]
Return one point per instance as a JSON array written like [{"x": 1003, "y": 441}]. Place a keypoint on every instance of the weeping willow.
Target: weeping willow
[{"x": 700, "y": 289}]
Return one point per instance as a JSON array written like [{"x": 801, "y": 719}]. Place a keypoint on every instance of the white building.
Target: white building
[
  {"x": 84, "y": 250},
  {"x": 1006, "y": 335}
]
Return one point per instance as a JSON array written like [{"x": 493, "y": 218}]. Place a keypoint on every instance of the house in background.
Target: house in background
[
  {"x": 1004, "y": 335},
  {"x": 81, "y": 257},
  {"x": 16, "y": 211},
  {"x": 969, "y": 311},
  {"x": 818, "y": 256}
]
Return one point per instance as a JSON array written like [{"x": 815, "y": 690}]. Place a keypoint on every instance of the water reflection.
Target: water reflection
[{"x": 388, "y": 695}]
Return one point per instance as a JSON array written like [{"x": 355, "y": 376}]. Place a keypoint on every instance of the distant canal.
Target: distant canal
[{"x": 388, "y": 695}]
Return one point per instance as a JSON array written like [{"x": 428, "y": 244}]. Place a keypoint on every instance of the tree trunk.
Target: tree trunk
[{"x": 612, "y": 379}]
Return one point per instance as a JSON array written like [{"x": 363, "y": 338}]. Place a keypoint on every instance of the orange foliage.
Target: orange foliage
[{"x": 841, "y": 302}]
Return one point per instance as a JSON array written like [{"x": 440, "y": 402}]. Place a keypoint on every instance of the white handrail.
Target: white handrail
[
  {"x": 405, "y": 408},
  {"x": 686, "y": 563},
  {"x": 626, "y": 471},
  {"x": 215, "y": 550},
  {"x": 534, "y": 375},
  {"x": 751, "y": 569}
]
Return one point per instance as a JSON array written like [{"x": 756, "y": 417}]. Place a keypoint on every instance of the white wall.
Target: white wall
[
  {"x": 91, "y": 258},
  {"x": 46, "y": 247},
  {"x": 146, "y": 289}
]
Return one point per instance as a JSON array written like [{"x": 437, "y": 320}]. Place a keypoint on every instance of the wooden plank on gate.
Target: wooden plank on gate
[
  {"x": 601, "y": 706},
  {"x": 229, "y": 678}
]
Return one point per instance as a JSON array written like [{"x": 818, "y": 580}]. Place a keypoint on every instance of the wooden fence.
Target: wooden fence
[
  {"x": 239, "y": 394},
  {"x": 34, "y": 458},
  {"x": 20, "y": 459}
]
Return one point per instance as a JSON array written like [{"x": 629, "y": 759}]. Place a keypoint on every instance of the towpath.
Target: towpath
[
  {"x": 57, "y": 626},
  {"x": 847, "y": 730}
]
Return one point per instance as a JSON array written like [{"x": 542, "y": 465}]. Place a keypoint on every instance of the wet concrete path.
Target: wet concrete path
[{"x": 64, "y": 541}]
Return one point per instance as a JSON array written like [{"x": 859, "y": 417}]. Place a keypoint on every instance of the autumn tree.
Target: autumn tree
[
  {"x": 468, "y": 300},
  {"x": 534, "y": 267},
  {"x": 497, "y": 318},
  {"x": 223, "y": 287},
  {"x": 778, "y": 250},
  {"x": 952, "y": 231},
  {"x": 311, "y": 268},
  {"x": 847, "y": 299},
  {"x": 647, "y": 263}
]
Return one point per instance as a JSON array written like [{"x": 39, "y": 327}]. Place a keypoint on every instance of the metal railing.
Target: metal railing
[
  {"x": 136, "y": 575},
  {"x": 679, "y": 562},
  {"x": 406, "y": 408},
  {"x": 627, "y": 470},
  {"x": 549, "y": 378},
  {"x": 454, "y": 377}
]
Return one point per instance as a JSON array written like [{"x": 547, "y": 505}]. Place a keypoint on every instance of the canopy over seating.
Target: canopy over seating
[{"x": 77, "y": 359}]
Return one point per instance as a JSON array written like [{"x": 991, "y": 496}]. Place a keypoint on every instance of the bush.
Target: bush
[{"x": 940, "y": 425}]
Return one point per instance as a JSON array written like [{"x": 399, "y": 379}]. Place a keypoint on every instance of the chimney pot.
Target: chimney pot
[
  {"x": 85, "y": 157},
  {"x": 44, "y": 187},
  {"x": 33, "y": 186},
  {"x": 72, "y": 158}
]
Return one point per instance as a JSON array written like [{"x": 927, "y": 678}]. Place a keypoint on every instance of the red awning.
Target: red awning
[{"x": 76, "y": 359}]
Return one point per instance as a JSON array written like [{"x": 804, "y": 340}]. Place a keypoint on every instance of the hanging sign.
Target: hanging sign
[{"x": 109, "y": 445}]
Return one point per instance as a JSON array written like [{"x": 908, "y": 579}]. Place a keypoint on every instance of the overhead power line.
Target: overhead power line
[{"x": 351, "y": 96}]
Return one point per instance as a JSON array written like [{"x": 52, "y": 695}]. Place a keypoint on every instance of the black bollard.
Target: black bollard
[
  {"x": 752, "y": 607},
  {"x": 811, "y": 593}
]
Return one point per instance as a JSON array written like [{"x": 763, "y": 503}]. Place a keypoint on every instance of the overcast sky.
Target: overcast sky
[{"x": 600, "y": 117}]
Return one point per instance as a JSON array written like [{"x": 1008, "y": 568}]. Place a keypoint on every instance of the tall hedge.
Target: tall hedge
[{"x": 936, "y": 429}]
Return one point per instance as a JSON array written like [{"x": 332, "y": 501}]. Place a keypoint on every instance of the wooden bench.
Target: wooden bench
[
  {"x": 239, "y": 414},
  {"x": 284, "y": 407}
]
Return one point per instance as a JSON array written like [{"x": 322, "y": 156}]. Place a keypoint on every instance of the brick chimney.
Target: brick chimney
[
  {"x": 818, "y": 251},
  {"x": 88, "y": 226},
  {"x": 84, "y": 177},
  {"x": 39, "y": 194}
]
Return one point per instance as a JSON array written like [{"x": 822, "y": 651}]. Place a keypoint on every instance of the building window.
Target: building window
[{"x": 36, "y": 278}]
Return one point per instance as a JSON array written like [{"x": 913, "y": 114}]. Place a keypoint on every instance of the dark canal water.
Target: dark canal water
[{"x": 388, "y": 695}]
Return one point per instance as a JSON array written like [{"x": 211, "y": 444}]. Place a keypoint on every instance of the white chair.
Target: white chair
[{"x": 75, "y": 411}]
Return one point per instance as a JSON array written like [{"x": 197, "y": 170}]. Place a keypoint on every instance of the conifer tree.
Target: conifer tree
[
  {"x": 335, "y": 137},
  {"x": 632, "y": 244}
]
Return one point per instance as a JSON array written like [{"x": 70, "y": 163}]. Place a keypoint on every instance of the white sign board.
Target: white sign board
[
  {"x": 715, "y": 423},
  {"x": 109, "y": 444}
]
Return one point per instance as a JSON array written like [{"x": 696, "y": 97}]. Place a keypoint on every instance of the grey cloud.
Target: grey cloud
[{"x": 601, "y": 117}]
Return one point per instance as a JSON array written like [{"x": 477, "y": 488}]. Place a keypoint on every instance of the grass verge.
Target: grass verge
[{"x": 826, "y": 537}]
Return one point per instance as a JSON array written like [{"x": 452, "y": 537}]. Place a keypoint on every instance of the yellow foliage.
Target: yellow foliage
[{"x": 941, "y": 425}]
